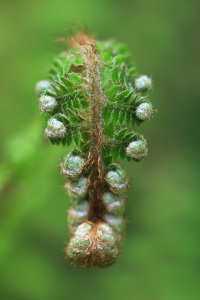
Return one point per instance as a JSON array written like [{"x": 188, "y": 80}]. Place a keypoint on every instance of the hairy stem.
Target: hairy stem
[{"x": 95, "y": 94}]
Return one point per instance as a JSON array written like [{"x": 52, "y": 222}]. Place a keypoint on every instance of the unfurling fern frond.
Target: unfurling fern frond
[{"x": 94, "y": 97}]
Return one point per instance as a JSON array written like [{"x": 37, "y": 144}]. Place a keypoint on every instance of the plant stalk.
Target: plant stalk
[{"x": 95, "y": 94}]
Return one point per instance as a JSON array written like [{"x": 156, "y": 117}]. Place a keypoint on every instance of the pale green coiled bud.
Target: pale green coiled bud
[
  {"x": 55, "y": 130},
  {"x": 118, "y": 225},
  {"x": 114, "y": 204},
  {"x": 137, "y": 149},
  {"x": 47, "y": 104},
  {"x": 77, "y": 214},
  {"x": 116, "y": 222},
  {"x": 72, "y": 166},
  {"x": 143, "y": 83},
  {"x": 144, "y": 111},
  {"x": 93, "y": 244},
  {"x": 77, "y": 189},
  {"x": 117, "y": 180},
  {"x": 42, "y": 86}
]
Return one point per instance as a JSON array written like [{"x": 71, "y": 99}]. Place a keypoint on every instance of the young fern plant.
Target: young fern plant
[{"x": 94, "y": 98}]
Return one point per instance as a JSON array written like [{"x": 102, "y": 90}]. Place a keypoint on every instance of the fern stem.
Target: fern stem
[{"x": 95, "y": 97}]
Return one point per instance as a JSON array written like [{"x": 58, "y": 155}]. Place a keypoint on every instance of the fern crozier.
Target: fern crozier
[{"x": 94, "y": 99}]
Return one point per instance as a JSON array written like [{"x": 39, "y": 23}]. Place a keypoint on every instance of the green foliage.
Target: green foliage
[
  {"x": 121, "y": 99},
  {"x": 117, "y": 78}
]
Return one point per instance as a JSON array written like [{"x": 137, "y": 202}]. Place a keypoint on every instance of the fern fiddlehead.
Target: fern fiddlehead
[{"x": 94, "y": 98}]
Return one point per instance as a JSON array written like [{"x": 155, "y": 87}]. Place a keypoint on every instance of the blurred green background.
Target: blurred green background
[{"x": 161, "y": 252}]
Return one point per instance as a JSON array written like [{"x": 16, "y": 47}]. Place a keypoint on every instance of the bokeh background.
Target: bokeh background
[{"x": 161, "y": 252}]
